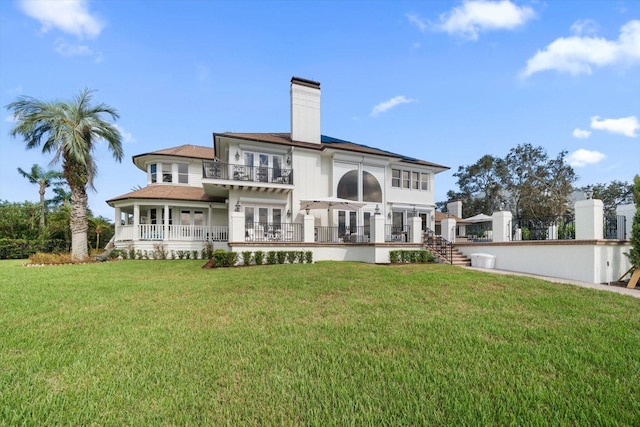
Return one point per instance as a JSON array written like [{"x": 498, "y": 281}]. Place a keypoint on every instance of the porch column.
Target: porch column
[
  {"x": 237, "y": 228},
  {"x": 502, "y": 226},
  {"x": 448, "y": 226},
  {"x": 308, "y": 232},
  {"x": 589, "y": 219},
  {"x": 377, "y": 229},
  {"x": 136, "y": 221},
  {"x": 416, "y": 229},
  {"x": 166, "y": 223}
]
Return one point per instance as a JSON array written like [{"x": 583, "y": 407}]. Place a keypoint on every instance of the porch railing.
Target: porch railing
[
  {"x": 615, "y": 227},
  {"x": 228, "y": 171},
  {"x": 438, "y": 245},
  {"x": 552, "y": 228},
  {"x": 270, "y": 232},
  {"x": 175, "y": 232},
  {"x": 352, "y": 234},
  {"x": 396, "y": 233}
]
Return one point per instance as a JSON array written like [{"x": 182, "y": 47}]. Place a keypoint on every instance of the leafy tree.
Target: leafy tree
[
  {"x": 612, "y": 194},
  {"x": 19, "y": 220},
  {"x": 43, "y": 179},
  {"x": 62, "y": 197},
  {"x": 480, "y": 185},
  {"x": 70, "y": 131},
  {"x": 634, "y": 254}
]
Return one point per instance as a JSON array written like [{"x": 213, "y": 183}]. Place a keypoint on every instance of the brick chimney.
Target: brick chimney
[{"x": 305, "y": 110}]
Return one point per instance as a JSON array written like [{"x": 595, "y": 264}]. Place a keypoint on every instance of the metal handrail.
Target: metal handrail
[
  {"x": 441, "y": 246},
  {"x": 229, "y": 171}
]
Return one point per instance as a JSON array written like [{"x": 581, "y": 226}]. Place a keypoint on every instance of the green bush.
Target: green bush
[
  {"x": 258, "y": 257},
  {"x": 271, "y": 257},
  {"x": 281, "y": 256},
  {"x": 421, "y": 255},
  {"x": 308, "y": 257},
  {"x": 292, "y": 256},
  {"x": 22, "y": 248},
  {"x": 394, "y": 257},
  {"x": 247, "y": 257}
]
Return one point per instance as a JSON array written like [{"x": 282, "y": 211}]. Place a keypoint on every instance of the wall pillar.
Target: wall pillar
[
  {"x": 415, "y": 224},
  {"x": 502, "y": 226},
  {"x": 448, "y": 227},
  {"x": 308, "y": 228},
  {"x": 237, "y": 228},
  {"x": 589, "y": 219},
  {"x": 377, "y": 229},
  {"x": 165, "y": 224}
]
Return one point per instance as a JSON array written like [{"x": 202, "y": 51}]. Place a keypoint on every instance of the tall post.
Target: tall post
[
  {"x": 308, "y": 224},
  {"x": 448, "y": 227},
  {"x": 237, "y": 228},
  {"x": 502, "y": 226},
  {"x": 589, "y": 219},
  {"x": 377, "y": 229}
]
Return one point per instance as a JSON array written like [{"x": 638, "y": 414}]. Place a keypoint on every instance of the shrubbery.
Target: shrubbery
[
  {"x": 397, "y": 257},
  {"x": 22, "y": 248}
]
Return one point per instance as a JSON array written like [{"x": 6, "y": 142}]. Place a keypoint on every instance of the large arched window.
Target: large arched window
[{"x": 348, "y": 187}]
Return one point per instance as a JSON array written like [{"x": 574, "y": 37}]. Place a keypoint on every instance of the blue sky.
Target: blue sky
[{"x": 443, "y": 81}]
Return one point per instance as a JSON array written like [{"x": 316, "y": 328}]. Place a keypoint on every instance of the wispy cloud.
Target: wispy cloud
[
  {"x": 127, "y": 137},
  {"x": 584, "y": 27},
  {"x": 473, "y": 17},
  {"x": 389, "y": 104},
  {"x": 71, "y": 50},
  {"x": 416, "y": 20},
  {"x": 69, "y": 16},
  {"x": 581, "y": 133},
  {"x": 578, "y": 54},
  {"x": 627, "y": 126},
  {"x": 582, "y": 157}
]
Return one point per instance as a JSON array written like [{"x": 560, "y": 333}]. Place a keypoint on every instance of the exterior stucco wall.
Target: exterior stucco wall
[{"x": 587, "y": 261}]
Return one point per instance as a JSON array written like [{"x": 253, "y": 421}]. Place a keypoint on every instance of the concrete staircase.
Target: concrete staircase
[
  {"x": 444, "y": 250},
  {"x": 460, "y": 259}
]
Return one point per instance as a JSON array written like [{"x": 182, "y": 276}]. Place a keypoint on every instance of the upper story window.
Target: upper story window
[
  {"x": 409, "y": 179},
  {"x": 169, "y": 172},
  {"x": 348, "y": 187}
]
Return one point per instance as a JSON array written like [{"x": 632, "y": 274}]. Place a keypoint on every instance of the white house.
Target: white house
[{"x": 194, "y": 194}]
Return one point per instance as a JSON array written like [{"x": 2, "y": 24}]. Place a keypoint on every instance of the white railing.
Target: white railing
[{"x": 218, "y": 233}]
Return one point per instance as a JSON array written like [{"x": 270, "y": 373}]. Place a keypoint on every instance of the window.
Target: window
[
  {"x": 415, "y": 180},
  {"x": 409, "y": 179},
  {"x": 424, "y": 181},
  {"x": 405, "y": 179},
  {"x": 183, "y": 173},
  {"x": 153, "y": 170},
  {"x": 166, "y": 173},
  {"x": 348, "y": 187}
]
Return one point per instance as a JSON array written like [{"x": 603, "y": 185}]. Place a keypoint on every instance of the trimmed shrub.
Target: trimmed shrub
[
  {"x": 292, "y": 256},
  {"x": 258, "y": 257},
  {"x": 281, "y": 256},
  {"x": 394, "y": 257},
  {"x": 271, "y": 257},
  {"x": 308, "y": 256},
  {"x": 247, "y": 257}
]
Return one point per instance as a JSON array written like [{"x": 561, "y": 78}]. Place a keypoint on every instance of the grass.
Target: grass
[{"x": 168, "y": 343}]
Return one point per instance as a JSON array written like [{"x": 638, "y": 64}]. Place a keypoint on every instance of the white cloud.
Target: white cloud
[
  {"x": 417, "y": 21},
  {"x": 581, "y": 134},
  {"x": 69, "y": 16},
  {"x": 583, "y": 27},
  {"x": 127, "y": 137},
  {"x": 476, "y": 16},
  {"x": 389, "y": 104},
  {"x": 582, "y": 157},
  {"x": 577, "y": 55},
  {"x": 66, "y": 49},
  {"x": 10, "y": 119},
  {"x": 627, "y": 126}
]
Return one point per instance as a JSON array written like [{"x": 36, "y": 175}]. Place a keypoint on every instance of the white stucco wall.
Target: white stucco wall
[{"x": 587, "y": 261}]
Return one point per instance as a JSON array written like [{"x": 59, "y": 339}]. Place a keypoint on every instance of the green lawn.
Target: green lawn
[{"x": 169, "y": 343}]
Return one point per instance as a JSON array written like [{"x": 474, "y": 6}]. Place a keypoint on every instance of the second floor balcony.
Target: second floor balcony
[{"x": 232, "y": 176}]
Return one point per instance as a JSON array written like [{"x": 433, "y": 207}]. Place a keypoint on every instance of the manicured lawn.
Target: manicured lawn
[{"x": 168, "y": 343}]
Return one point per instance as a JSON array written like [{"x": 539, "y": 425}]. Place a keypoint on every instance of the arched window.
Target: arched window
[{"x": 348, "y": 187}]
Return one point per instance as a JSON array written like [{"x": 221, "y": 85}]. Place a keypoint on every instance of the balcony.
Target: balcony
[{"x": 230, "y": 176}]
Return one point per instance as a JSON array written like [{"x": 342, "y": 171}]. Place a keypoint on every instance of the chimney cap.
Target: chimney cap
[{"x": 305, "y": 82}]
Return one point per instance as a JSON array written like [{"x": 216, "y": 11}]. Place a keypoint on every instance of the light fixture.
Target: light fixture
[
  {"x": 389, "y": 215},
  {"x": 237, "y": 155},
  {"x": 502, "y": 206},
  {"x": 289, "y": 160},
  {"x": 307, "y": 211},
  {"x": 414, "y": 212},
  {"x": 588, "y": 193},
  {"x": 377, "y": 211},
  {"x": 289, "y": 213},
  {"x": 238, "y": 206}
]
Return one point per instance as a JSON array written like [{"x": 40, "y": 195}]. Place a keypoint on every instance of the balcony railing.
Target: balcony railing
[
  {"x": 354, "y": 234},
  {"x": 228, "y": 171},
  {"x": 273, "y": 232},
  {"x": 396, "y": 233},
  {"x": 175, "y": 232}
]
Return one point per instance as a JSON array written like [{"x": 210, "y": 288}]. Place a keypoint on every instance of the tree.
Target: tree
[
  {"x": 480, "y": 185},
  {"x": 99, "y": 225},
  {"x": 62, "y": 197},
  {"x": 44, "y": 179},
  {"x": 612, "y": 194},
  {"x": 18, "y": 220},
  {"x": 70, "y": 131},
  {"x": 634, "y": 254}
]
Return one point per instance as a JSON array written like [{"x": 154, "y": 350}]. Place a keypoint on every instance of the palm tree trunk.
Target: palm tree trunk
[
  {"x": 42, "y": 209},
  {"x": 79, "y": 224}
]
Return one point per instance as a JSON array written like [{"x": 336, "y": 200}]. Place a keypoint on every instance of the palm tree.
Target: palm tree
[
  {"x": 99, "y": 224},
  {"x": 71, "y": 131},
  {"x": 44, "y": 179},
  {"x": 62, "y": 197}
]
